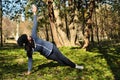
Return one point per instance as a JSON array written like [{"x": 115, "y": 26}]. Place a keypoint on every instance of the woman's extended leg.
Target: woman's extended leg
[{"x": 60, "y": 58}]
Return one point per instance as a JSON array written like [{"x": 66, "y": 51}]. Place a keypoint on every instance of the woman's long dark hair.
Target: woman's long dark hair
[{"x": 29, "y": 45}]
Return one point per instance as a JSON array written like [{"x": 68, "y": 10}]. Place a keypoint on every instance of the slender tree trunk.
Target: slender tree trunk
[
  {"x": 73, "y": 29},
  {"x": 83, "y": 21},
  {"x": 1, "y": 23},
  {"x": 46, "y": 28},
  {"x": 17, "y": 31},
  {"x": 47, "y": 34},
  {"x": 90, "y": 22},
  {"x": 52, "y": 23},
  {"x": 66, "y": 21},
  {"x": 97, "y": 29},
  {"x": 88, "y": 30}
]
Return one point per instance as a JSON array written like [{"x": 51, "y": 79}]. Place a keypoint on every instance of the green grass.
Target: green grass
[{"x": 100, "y": 64}]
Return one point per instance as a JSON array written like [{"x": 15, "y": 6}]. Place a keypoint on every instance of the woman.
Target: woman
[{"x": 47, "y": 49}]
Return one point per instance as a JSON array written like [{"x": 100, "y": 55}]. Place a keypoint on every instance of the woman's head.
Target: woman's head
[
  {"x": 22, "y": 40},
  {"x": 27, "y": 42}
]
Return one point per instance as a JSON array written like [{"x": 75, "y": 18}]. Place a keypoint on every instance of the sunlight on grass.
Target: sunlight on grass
[{"x": 96, "y": 65}]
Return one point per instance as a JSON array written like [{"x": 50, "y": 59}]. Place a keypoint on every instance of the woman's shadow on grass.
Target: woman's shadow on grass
[{"x": 49, "y": 65}]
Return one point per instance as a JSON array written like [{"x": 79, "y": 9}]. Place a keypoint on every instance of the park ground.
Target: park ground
[{"x": 101, "y": 63}]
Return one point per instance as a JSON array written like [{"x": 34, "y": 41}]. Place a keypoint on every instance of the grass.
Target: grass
[{"x": 101, "y": 63}]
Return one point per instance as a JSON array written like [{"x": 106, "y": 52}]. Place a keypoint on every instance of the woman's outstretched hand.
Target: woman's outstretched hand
[{"x": 34, "y": 9}]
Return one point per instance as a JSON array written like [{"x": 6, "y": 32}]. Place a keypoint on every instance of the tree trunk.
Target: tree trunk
[
  {"x": 1, "y": 23},
  {"x": 73, "y": 22},
  {"x": 62, "y": 35},
  {"x": 89, "y": 23},
  {"x": 17, "y": 31},
  {"x": 52, "y": 23},
  {"x": 97, "y": 29},
  {"x": 67, "y": 25},
  {"x": 73, "y": 29}
]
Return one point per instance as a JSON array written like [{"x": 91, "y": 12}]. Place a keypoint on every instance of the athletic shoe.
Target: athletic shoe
[{"x": 79, "y": 67}]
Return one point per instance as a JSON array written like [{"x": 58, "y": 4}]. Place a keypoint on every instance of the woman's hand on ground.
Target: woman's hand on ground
[{"x": 27, "y": 73}]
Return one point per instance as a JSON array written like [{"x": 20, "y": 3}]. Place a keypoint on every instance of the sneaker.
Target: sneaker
[{"x": 79, "y": 67}]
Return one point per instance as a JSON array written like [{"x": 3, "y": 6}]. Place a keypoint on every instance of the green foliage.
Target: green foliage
[{"x": 100, "y": 64}]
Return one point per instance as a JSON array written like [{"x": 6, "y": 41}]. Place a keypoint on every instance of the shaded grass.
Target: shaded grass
[{"x": 102, "y": 63}]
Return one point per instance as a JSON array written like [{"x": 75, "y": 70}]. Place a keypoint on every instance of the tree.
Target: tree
[
  {"x": 64, "y": 21},
  {"x": 88, "y": 31},
  {"x": 1, "y": 23},
  {"x": 52, "y": 22}
]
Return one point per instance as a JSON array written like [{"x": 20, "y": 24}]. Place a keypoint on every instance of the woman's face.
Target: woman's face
[{"x": 29, "y": 38}]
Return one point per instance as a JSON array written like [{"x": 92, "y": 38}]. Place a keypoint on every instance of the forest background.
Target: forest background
[{"x": 64, "y": 22}]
